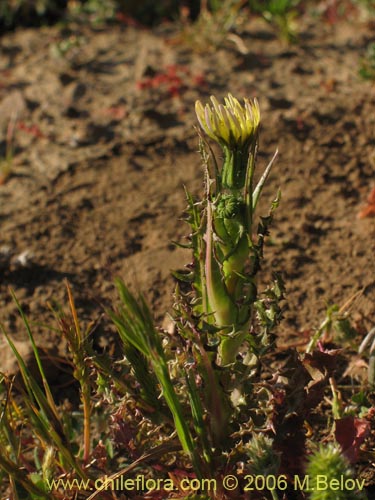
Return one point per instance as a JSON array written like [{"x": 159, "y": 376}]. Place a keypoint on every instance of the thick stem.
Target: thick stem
[
  {"x": 234, "y": 168},
  {"x": 220, "y": 303}
]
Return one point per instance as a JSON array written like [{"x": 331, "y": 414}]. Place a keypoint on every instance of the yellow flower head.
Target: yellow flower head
[{"x": 230, "y": 124}]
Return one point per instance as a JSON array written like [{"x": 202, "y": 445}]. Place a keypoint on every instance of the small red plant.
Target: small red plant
[
  {"x": 369, "y": 210},
  {"x": 33, "y": 130},
  {"x": 173, "y": 78}
]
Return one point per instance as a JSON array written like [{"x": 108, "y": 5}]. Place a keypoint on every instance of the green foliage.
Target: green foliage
[
  {"x": 93, "y": 11},
  {"x": 77, "y": 445},
  {"x": 135, "y": 326},
  {"x": 336, "y": 324},
  {"x": 273, "y": 7},
  {"x": 280, "y": 13},
  {"x": 328, "y": 466},
  {"x": 368, "y": 4},
  {"x": 213, "y": 23},
  {"x": 262, "y": 457},
  {"x": 42, "y": 423}
]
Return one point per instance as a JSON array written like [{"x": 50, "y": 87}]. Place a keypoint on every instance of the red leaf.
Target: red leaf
[
  {"x": 369, "y": 210},
  {"x": 350, "y": 433},
  {"x": 33, "y": 130}
]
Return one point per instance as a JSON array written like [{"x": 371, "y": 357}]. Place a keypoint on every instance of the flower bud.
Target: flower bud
[{"x": 234, "y": 127}]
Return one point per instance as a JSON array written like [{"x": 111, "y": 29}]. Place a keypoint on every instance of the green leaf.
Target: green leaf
[
  {"x": 259, "y": 187},
  {"x": 135, "y": 326}
]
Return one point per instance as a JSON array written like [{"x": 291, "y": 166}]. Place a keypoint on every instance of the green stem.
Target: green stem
[
  {"x": 83, "y": 378},
  {"x": 249, "y": 191},
  {"x": 259, "y": 187},
  {"x": 319, "y": 332},
  {"x": 220, "y": 304}
]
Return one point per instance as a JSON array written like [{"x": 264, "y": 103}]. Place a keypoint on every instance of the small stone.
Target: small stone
[
  {"x": 9, "y": 364},
  {"x": 24, "y": 259}
]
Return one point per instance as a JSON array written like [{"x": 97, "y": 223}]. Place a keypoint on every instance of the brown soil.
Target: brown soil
[{"x": 105, "y": 142}]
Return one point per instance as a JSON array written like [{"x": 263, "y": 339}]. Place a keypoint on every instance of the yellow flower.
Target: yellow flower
[{"x": 231, "y": 124}]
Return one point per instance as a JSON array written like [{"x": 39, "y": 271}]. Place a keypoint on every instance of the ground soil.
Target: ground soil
[{"x": 104, "y": 143}]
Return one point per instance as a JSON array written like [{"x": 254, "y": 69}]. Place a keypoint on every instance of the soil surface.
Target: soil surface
[{"x": 104, "y": 143}]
